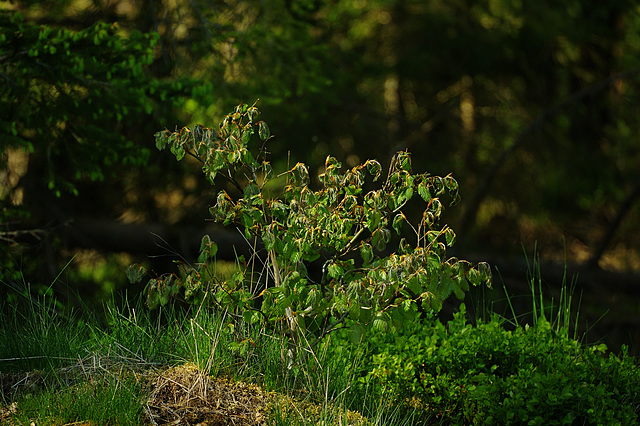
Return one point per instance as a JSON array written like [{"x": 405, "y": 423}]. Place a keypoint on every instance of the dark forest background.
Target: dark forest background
[{"x": 532, "y": 106}]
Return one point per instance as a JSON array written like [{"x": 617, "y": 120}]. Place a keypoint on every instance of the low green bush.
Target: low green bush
[{"x": 485, "y": 374}]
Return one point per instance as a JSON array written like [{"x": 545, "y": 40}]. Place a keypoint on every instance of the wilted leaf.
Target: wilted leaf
[
  {"x": 178, "y": 151},
  {"x": 135, "y": 273},
  {"x": 485, "y": 273},
  {"x": 398, "y": 221},
  {"x": 263, "y": 131},
  {"x": 301, "y": 173},
  {"x": 450, "y": 236},
  {"x": 269, "y": 240},
  {"x": 161, "y": 139},
  {"x": 312, "y": 297},
  {"x": 377, "y": 240},
  {"x": 404, "y": 247},
  {"x": 374, "y": 168}
]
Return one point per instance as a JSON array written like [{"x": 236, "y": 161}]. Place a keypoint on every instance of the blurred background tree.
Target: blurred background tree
[{"x": 532, "y": 107}]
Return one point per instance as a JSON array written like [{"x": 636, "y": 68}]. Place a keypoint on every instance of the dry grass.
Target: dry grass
[{"x": 184, "y": 395}]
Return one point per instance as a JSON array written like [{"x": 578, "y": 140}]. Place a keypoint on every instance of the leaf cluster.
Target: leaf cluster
[{"x": 63, "y": 92}]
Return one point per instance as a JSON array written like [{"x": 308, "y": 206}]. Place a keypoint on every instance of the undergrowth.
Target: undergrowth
[
  {"x": 60, "y": 367},
  {"x": 485, "y": 374}
]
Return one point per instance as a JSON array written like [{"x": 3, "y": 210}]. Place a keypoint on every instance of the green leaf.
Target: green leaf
[
  {"x": 245, "y": 137},
  {"x": 357, "y": 332},
  {"x": 431, "y": 302},
  {"x": 247, "y": 158},
  {"x": 269, "y": 240},
  {"x": 405, "y": 161},
  {"x": 208, "y": 249},
  {"x": 380, "y": 238},
  {"x": 366, "y": 251},
  {"x": 405, "y": 196},
  {"x": 335, "y": 270},
  {"x": 177, "y": 150},
  {"x": 238, "y": 277},
  {"x": 413, "y": 284},
  {"x": 251, "y": 316},
  {"x": 284, "y": 303},
  {"x": 251, "y": 190},
  {"x": 373, "y": 219},
  {"x": 380, "y": 324},
  {"x": 296, "y": 256}
]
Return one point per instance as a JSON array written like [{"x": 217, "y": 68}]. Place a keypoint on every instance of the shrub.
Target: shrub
[
  {"x": 343, "y": 227},
  {"x": 486, "y": 374}
]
